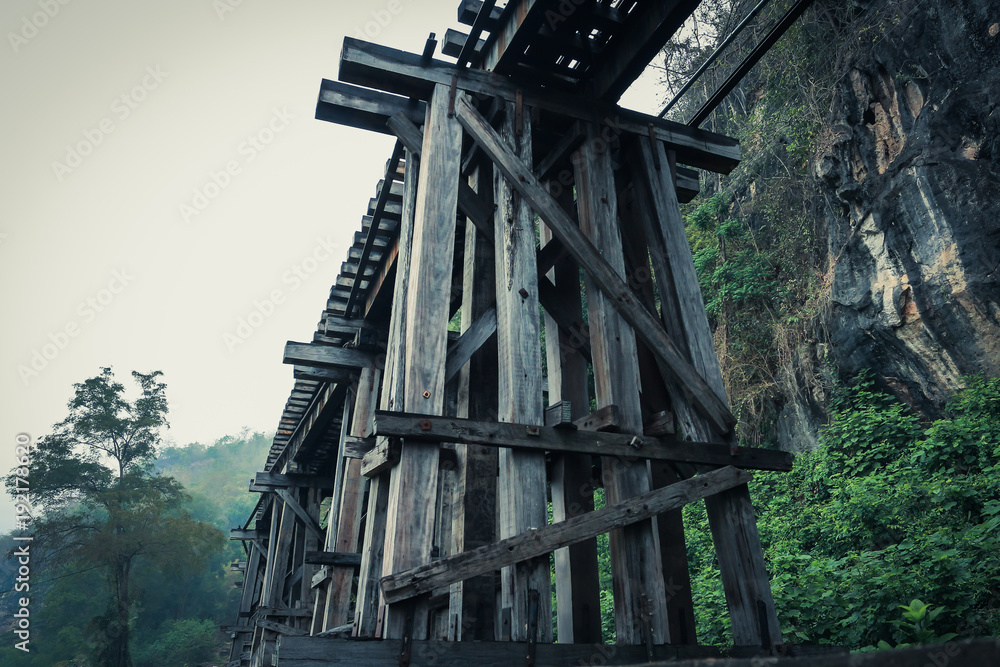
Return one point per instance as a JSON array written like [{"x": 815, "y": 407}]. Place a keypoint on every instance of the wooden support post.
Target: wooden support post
[
  {"x": 670, "y": 525},
  {"x": 730, "y": 514},
  {"x": 366, "y": 616},
  {"x": 635, "y": 550},
  {"x": 278, "y": 564},
  {"x": 472, "y": 602},
  {"x": 338, "y": 611},
  {"x": 578, "y": 600},
  {"x": 410, "y": 520},
  {"x": 521, "y": 486}
]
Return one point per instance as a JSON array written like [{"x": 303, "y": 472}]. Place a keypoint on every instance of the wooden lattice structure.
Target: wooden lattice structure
[{"x": 516, "y": 182}]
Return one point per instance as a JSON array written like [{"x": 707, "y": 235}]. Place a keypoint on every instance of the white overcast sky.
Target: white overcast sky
[{"x": 100, "y": 264}]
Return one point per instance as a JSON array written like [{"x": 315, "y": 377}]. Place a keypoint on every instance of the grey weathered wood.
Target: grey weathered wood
[
  {"x": 559, "y": 414},
  {"x": 470, "y": 341},
  {"x": 623, "y": 446},
  {"x": 308, "y": 521},
  {"x": 323, "y": 652},
  {"x": 326, "y": 356},
  {"x": 346, "y": 559},
  {"x": 356, "y": 448},
  {"x": 277, "y": 561},
  {"x": 584, "y": 252},
  {"x": 351, "y": 505},
  {"x": 731, "y": 516},
  {"x": 290, "y": 480},
  {"x": 366, "y": 618},
  {"x": 535, "y": 543},
  {"x": 410, "y": 520},
  {"x": 472, "y": 602},
  {"x": 521, "y": 487},
  {"x": 635, "y": 552},
  {"x": 383, "y": 456},
  {"x": 409, "y": 74},
  {"x": 363, "y": 108},
  {"x": 280, "y": 628},
  {"x": 578, "y": 604}
]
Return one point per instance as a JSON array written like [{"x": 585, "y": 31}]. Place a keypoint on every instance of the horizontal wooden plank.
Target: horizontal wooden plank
[
  {"x": 410, "y": 74},
  {"x": 238, "y": 534},
  {"x": 338, "y": 558},
  {"x": 292, "y": 480},
  {"x": 383, "y": 456},
  {"x": 331, "y": 375},
  {"x": 280, "y": 628},
  {"x": 364, "y": 108},
  {"x": 523, "y": 436},
  {"x": 326, "y": 356},
  {"x": 326, "y": 652},
  {"x": 534, "y": 543}
]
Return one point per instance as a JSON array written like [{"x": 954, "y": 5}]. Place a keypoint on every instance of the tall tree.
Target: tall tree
[{"x": 102, "y": 505}]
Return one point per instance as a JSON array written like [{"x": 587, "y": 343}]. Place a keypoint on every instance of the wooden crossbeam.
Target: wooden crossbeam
[
  {"x": 237, "y": 534},
  {"x": 363, "y": 108},
  {"x": 535, "y": 543},
  {"x": 394, "y": 71},
  {"x": 339, "y": 558},
  {"x": 334, "y": 376},
  {"x": 326, "y": 356},
  {"x": 300, "y": 512},
  {"x": 472, "y": 339},
  {"x": 619, "y": 294},
  {"x": 525, "y": 436},
  {"x": 280, "y": 628}
]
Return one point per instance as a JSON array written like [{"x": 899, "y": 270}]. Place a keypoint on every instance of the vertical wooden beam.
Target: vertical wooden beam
[
  {"x": 410, "y": 521},
  {"x": 326, "y": 611},
  {"x": 352, "y": 499},
  {"x": 372, "y": 556},
  {"x": 730, "y": 514},
  {"x": 521, "y": 488},
  {"x": 282, "y": 550},
  {"x": 578, "y": 599},
  {"x": 272, "y": 548},
  {"x": 635, "y": 550},
  {"x": 472, "y": 602},
  {"x": 656, "y": 399}
]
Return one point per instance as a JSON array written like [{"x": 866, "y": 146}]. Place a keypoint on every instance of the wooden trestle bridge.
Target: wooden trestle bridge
[{"x": 516, "y": 182}]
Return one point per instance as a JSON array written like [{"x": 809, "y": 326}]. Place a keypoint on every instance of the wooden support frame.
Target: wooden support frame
[
  {"x": 584, "y": 252},
  {"x": 532, "y": 544}
]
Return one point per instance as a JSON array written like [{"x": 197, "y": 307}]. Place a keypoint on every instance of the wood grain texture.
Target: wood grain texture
[
  {"x": 373, "y": 553},
  {"x": 730, "y": 514},
  {"x": 471, "y": 603},
  {"x": 521, "y": 487},
  {"x": 635, "y": 551},
  {"x": 534, "y": 543},
  {"x": 412, "y": 490},
  {"x": 596, "y": 267}
]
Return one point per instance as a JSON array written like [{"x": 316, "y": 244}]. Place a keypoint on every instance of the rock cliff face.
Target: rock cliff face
[{"x": 909, "y": 171}]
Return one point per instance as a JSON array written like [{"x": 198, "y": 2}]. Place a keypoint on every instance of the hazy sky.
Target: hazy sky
[{"x": 163, "y": 178}]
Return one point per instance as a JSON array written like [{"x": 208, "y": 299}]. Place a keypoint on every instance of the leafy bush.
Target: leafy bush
[{"x": 885, "y": 511}]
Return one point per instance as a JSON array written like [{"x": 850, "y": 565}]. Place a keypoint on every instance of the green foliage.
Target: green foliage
[
  {"x": 180, "y": 643},
  {"x": 886, "y": 510},
  {"x": 106, "y": 516}
]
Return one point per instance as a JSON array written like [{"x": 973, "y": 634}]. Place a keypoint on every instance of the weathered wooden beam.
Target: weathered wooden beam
[
  {"x": 454, "y": 40},
  {"x": 343, "y": 559},
  {"x": 280, "y": 628},
  {"x": 334, "y": 376},
  {"x": 300, "y": 512},
  {"x": 283, "y": 611},
  {"x": 363, "y": 108},
  {"x": 471, "y": 340},
  {"x": 583, "y": 251},
  {"x": 237, "y": 534},
  {"x": 326, "y": 356},
  {"x": 577, "y": 578},
  {"x": 626, "y": 446},
  {"x": 409, "y": 74},
  {"x": 535, "y": 543},
  {"x": 413, "y": 488},
  {"x": 730, "y": 514},
  {"x": 290, "y": 480}
]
